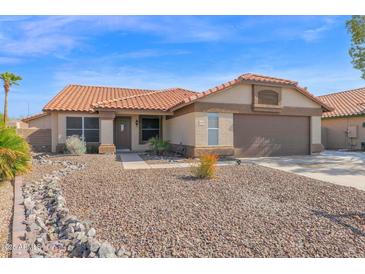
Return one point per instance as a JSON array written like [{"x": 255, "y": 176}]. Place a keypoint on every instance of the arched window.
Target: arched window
[{"x": 268, "y": 97}]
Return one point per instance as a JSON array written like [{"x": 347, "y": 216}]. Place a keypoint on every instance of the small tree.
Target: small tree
[
  {"x": 9, "y": 80},
  {"x": 356, "y": 27}
]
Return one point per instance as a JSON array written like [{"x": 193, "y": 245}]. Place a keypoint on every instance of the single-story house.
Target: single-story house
[
  {"x": 252, "y": 115},
  {"x": 344, "y": 126}
]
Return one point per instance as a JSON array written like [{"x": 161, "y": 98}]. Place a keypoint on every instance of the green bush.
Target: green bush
[
  {"x": 206, "y": 167},
  {"x": 15, "y": 156},
  {"x": 75, "y": 145},
  {"x": 92, "y": 148},
  {"x": 158, "y": 145},
  {"x": 1, "y": 120}
]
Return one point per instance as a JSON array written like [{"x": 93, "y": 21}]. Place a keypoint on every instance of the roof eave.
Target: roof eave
[{"x": 324, "y": 107}]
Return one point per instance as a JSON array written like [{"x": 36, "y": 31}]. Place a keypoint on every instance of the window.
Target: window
[
  {"x": 150, "y": 127},
  {"x": 85, "y": 127},
  {"x": 213, "y": 126},
  {"x": 268, "y": 97}
]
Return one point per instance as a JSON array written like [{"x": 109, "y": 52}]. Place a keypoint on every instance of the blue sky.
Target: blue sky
[{"x": 194, "y": 52}]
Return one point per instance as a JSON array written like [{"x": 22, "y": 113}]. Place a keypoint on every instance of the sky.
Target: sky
[{"x": 155, "y": 52}]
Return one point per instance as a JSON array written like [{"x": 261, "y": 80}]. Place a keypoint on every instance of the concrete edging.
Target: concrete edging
[{"x": 19, "y": 244}]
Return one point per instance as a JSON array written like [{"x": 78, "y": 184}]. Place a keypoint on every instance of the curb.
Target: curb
[{"x": 19, "y": 244}]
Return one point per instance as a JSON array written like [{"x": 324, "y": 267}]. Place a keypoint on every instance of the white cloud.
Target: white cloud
[
  {"x": 132, "y": 77},
  {"x": 42, "y": 35},
  {"x": 313, "y": 34}
]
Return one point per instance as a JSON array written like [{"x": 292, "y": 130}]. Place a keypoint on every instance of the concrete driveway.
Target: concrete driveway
[{"x": 338, "y": 167}]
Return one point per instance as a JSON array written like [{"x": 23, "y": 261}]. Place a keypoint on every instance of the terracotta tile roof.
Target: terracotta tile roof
[
  {"x": 157, "y": 100},
  {"x": 256, "y": 78},
  {"x": 92, "y": 98},
  {"x": 265, "y": 79},
  {"x": 34, "y": 116},
  {"x": 87, "y": 98},
  {"x": 345, "y": 103}
]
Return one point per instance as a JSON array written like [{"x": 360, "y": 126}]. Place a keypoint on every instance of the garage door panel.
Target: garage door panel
[{"x": 264, "y": 135}]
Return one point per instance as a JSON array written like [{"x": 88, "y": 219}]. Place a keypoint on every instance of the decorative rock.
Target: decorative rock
[
  {"x": 50, "y": 227},
  {"x": 31, "y": 237},
  {"x": 106, "y": 251},
  {"x": 28, "y": 204},
  {"x": 93, "y": 245},
  {"x": 91, "y": 232},
  {"x": 92, "y": 255},
  {"x": 121, "y": 251}
]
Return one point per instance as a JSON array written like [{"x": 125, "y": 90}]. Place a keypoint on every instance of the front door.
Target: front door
[{"x": 123, "y": 132}]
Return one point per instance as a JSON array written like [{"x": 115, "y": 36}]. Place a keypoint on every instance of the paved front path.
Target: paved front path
[
  {"x": 131, "y": 160},
  {"x": 338, "y": 167}
]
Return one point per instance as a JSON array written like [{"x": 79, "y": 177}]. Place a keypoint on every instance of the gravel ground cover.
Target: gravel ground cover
[
  {"x": 6, "y": 212},
  {"x": 246, "y": 211}
]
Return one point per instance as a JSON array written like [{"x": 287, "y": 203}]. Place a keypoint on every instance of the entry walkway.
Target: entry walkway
[{"x": 131, "y": 160}]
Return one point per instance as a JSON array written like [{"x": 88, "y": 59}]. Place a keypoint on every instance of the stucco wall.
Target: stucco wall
[
  {"x": 225, "y": 132},
  {"x": 192, "y": 129},
  {"x": 136, "y": 146},
  {"x": 106, "y": 131},
  {"x": 54, "y": 126},
  {"x": 316, "y": 130},
  {"x": 181, "y": 129},
  {"x": 335, "y": 133},
  {"x": 41, "y": 122},
  {"x": 293, "y": 98},
  {"x": 242, "y": 94}
]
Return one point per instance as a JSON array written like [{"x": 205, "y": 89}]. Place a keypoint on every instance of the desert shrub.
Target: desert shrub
[
  {"x": 92, "y": 148},
  {"x": 75, "y": 145},
  {"x": 206, "y": 167},
  {"x": 158, "y": 145},
  {"x": 14, "y": 154}
]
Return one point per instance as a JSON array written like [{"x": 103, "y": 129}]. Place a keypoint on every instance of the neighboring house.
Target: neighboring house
[
  {"x": 36, "y": 129},
  {"x": 17, "y": 124},
  {"x": 252, "y": 115},
  {"x": 344, "y": 127}
]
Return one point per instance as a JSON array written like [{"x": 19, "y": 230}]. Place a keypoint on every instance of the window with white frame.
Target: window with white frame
[
  {"x": 85, "y": 127},
  {"x": 213, "y": 129}
]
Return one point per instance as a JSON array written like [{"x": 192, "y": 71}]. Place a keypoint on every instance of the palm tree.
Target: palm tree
[{"x": 9, "y": 80}]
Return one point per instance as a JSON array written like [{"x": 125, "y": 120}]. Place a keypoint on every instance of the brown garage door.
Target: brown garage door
[{"x": 267, "y": 135}]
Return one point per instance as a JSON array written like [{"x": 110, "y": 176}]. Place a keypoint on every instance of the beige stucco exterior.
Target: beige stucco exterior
[
  {"x": 225, "y": 132},
  {"x": 181, "y": 129},
  {"x": 292, "y": 98},
  {"x": 335, "y": 132},
  {"x": 43, "y": 122},
  {"x": 316, "y": 130},
  {"x": 136, "y": 146},
  {"x": 190, "y": 128},
  {"x": 106, "y": 131},
  {"x": 242, "y": 94}
]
